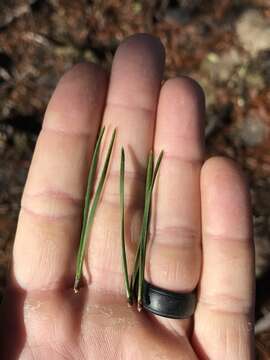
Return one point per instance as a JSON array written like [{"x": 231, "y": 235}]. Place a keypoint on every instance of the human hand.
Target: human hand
[{"x": 200, "y": 229}]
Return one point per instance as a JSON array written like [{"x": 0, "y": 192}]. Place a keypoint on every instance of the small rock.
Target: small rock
[
  {"x": 253, "y": 131},
  {"x": 253, "y": 31},
  {"x": 263, "y": 324},
  {"x": 220, "y": 68},
  {"x": 255, "y": 80}
]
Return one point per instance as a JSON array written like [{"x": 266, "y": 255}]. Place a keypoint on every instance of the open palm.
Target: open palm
[{"x": 200, "y": 226}]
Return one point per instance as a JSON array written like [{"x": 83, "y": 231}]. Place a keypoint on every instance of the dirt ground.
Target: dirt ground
[{"x": 226, "y": 48}]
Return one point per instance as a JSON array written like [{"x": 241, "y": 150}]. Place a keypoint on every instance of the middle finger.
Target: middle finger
[{"x": 136, "y": 76}]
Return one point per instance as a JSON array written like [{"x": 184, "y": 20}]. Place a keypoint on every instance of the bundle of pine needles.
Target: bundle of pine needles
[
  {"x": 91, "y": 206},
  {"x": 134, "y": 284}
]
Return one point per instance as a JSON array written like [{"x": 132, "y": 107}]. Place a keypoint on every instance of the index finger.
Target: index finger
[{"x": 50, "y": 216}]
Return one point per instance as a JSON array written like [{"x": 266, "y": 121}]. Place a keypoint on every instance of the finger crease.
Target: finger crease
[
  {"x": 65, "y": 132},
  {"x": 226, "y": 304},
  {"x": 131, "y": 107},
  {"x": 190, "y": 160},
  {"x": 50, "y": 217},
  {"x": 225, "y": 238},
  {"x": 53, "y": 194},
  {"x": 183, "y": 235}
]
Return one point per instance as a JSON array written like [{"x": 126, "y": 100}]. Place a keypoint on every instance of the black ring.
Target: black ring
[{"x": 168, "y": 303}]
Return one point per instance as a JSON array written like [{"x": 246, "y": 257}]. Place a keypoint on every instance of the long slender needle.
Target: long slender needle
[
  {"x": 91, "y": 214},
  {"x": 123, "y": 245},
  {"x": 156, "y": 169},
  {"x": 145, "y": 230},
  {"x": 90, "y": 182},
  {"x": 89, "y": 190},
  {"x": 92, "y": 174},
  {"x": 142, "y": 255},
  {"x": 149, "y": 174}
]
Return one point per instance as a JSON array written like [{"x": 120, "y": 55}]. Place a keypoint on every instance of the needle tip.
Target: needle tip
[
  {"x": 139, "y": 307},
  {"x": 76, "y": 285}
]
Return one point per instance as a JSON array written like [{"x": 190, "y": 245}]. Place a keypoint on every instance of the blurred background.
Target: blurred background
[{"x": 224, "y": 45}]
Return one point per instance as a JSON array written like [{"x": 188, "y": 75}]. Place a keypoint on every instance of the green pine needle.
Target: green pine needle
[
  {"x": 90, "y": 183},
  {"x": 89, "y": 213},
  {"x": 149, "y": 172},
  {"x": 156, "y": 169},
  {"x": 145, "y": 228},
  {"x": 122, "y": 209},
  {"x": 149, "y": 175},
  {"x": 139, "y": 266},
  {"x": 92, "y": 174}
]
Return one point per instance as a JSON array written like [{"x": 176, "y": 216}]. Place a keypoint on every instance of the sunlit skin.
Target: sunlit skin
[{"x": 200, "y": 231}]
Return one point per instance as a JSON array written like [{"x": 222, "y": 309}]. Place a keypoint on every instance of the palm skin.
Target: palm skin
[{"x": 200, "y": 228}]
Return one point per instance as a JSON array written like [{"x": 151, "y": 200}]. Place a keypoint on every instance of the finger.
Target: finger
[
  {"x": 134, "y": 86},
  {"x": 174, "y": 253},
  {"x": 49, "y": 222},
  {"x": 223, "y": 319}
]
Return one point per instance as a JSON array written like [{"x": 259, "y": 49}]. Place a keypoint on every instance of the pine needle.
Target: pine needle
[
  {"x": 145, "y": 225},
  {"x": 89, "y": 215},
  {"x": 92, "y": 174},
  {"x": 123, "y": 245},
  {"x": 149, "y": 174},
  {"x": 90, "y": 183}
]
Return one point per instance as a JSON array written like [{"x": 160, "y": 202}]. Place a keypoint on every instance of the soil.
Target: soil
[{"x": 41, "y": 39}]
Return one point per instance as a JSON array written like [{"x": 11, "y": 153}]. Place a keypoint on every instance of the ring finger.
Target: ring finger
[{"x": 174, "y": 251}]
